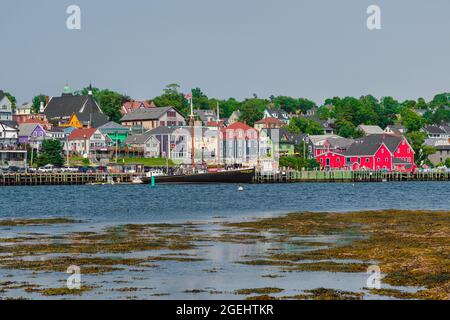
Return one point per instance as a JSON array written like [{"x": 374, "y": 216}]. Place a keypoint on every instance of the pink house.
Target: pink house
[{"x": 375, "y": 152}]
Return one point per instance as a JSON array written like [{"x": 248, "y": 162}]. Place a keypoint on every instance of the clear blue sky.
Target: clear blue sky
[{"x": 230, "y": 48}]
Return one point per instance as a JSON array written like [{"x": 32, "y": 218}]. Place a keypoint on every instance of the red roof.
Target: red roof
[
  {"x": 239, "y": 126},
  {"x": 130, "y": 106},
  {"x": 270, "y": 120},
  {"x": 214, "y": 124},
  {"x": 81, "y": 134}
]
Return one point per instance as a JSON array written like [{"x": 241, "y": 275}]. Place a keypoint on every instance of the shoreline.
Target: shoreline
[{"x": 184, "y": 243}]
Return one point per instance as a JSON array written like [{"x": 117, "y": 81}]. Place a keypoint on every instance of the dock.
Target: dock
[
  {"x": 42, "y": 179},
  {"x": 293, "y": 176}
]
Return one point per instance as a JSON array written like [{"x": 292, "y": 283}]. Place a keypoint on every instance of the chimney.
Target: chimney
[{"x": 47, "y": 99}]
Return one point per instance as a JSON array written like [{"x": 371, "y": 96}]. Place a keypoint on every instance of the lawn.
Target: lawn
[{"x": 150, "y": 162}]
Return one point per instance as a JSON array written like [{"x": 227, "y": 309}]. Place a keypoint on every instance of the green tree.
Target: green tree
[
  {"x": 109, "y": 101},
  {"x": 252, "y": 110},
  {"x": 51, "y": 153},
  {"x": 447, "y": 162},
  {"x": 304, "y": 125},
  {"x": 411, "y": 120},
  {"x": 417, "y": 141},
  {"x": 37, "y": 103},
  {"x": 11, "y": 99},
  {"x": 171, "y": 97}
]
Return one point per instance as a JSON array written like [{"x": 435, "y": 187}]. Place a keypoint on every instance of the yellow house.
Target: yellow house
[{"x": 73, "y": 122}]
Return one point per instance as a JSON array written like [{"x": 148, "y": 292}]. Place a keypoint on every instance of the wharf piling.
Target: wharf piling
[
  {"x": 39, "y": 179},
  {"x": 293, "y": 176}
]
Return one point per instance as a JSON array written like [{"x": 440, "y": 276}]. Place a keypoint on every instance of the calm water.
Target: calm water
[
  {"x": 99, "y": 206},
  {"x": 140, "y": 203}
]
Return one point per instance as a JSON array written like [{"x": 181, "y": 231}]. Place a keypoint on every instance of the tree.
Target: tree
[
  {"x": 252, "y": 110},
  {"x": 411, "y": 120},
  {"x": 447, "y": 162},
  {"x": 109, "y": 101},
  {"x": 347, "y": 130},
  {"x": 173, "y": 98},
  {"x": 417, "y": 141},
  {"x": 11, "y": 99},
  {"x": 51, "y": 153},
  {"x": 37, "y": 103},
  {"x": 441, "y": 115},
  {"x": 304, "y": 125}
]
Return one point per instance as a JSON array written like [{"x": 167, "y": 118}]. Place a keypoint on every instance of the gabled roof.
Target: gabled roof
[
  {"x": 81, "y": 134},
  {"x": 10, "y": 124},
  {"x": 130, "y": 106},
  {"x": 26, "y": 129},
  {"x": 112, "y": 126},
  {"x": 434, "y": 130},
  {"x": 25, "y": 106},
  {"x": 139, "y": 138},
  {"x": 239, "y": 126},
  {"x": 369, "y": 145},
  {"x": 340, "y": 142},
  {"x": 278, "y": 113},
  {"x": 2, "y": 94},
  {"x": 85, "y": 107},
  {"x": 147, "y": 113},
  {"x": 163, "y": 130},
  {"x": 369, "y": 129},
  {"x": 270, "y": 120},
  {"x": 205, "y": 114}
]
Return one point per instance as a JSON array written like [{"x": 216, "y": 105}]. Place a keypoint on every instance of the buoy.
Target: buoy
[
  {"x": 241, "y": 188},
  {"x": 153, "y": 183}
]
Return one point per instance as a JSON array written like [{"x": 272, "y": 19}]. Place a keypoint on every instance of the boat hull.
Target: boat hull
[{"x": 235, "y": 176}]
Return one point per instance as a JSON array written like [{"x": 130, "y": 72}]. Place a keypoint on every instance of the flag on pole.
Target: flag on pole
[{"x": 188, "y": 96}]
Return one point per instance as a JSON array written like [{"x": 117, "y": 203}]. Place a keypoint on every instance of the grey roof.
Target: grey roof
[
  {"x": 26, "y": 105},
  {"x": 85, "y": 108},
  {"x": 279, "y": 114},
  {"x": 294, "y": 138},
  {"x": 340, "y": 143},
  {"x": 163, "y": 130},
  {"x": 112, "y": 127},
  {"x": 369, "y": 145},
  {"x": 2, "y": 94},
  {"x": 434, "y": 130},
  {"x": 138, "y": 138},
  {"x": 56, "y": 129},
  {"x": 204, "y": 114},
  {"x": 10, "y": 123},
  {"x": 26, "y": 129},
  {"x": 369, "y": 129},
  {"x": 146, "y": 113},
  {"x": 446, "y": 128}
]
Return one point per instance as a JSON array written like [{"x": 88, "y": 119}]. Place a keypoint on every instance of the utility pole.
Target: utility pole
[
  {"x": 116, "y": 147},
  {"x": 67, "y": 150}
]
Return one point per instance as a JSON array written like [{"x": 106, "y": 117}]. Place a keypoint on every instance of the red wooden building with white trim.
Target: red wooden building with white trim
[{"x": 375, "y": 152}]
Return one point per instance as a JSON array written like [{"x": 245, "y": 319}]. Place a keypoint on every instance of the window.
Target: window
[
  {"x": 162, "y": 123},
  {"x": 386, "y": 160},
  {"x": 382, "y": 150},
  {"x": 338, "y": 160},
  {"x": 367, "y": 160},
  {"x": 408, "y": 151},
  {"x": 378, "y": 159}
]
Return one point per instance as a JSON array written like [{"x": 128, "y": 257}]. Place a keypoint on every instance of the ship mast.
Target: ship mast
[
  {"x": 192, "y": 124},
  {"x": 219, "y": 128}
]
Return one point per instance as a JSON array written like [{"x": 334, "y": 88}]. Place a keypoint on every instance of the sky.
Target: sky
[{"x": 229, "y": 48}]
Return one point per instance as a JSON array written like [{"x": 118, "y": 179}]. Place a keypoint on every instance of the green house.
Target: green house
[{"x": 115, "y": 132}]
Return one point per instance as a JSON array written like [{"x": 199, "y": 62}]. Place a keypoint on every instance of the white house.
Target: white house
[
  {"x": 87, "y": 142},
  {"x": 5, "y": 107},
  {"x": 145, "y": 142}
]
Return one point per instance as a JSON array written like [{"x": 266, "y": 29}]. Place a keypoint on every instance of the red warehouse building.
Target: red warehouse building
[{"x": 374, "y": 152}]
